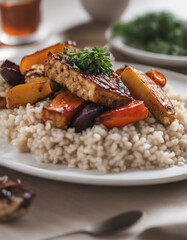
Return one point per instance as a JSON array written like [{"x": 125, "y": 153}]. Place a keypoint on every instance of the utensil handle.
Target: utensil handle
[{"x": 63, "y": 235}]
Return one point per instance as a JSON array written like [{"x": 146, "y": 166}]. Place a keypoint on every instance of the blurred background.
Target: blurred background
[{"x": 84, "y": 21}]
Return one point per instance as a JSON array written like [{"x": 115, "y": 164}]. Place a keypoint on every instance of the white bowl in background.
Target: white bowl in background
[
  {"x": 145, "y": 56},
  {"x": 105, "y": 10}
]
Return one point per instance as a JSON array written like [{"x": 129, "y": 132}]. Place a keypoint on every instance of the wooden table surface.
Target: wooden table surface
[{"x": 60, "y": 207}]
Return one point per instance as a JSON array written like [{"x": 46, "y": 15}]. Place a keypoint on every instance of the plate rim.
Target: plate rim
[
  {"x": 99, "y": 179},
  {"x": 137, "y": 53},
  {"x": 47, "y": 174}
]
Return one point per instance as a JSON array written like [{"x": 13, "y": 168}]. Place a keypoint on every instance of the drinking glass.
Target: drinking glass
[{"x": 20, "y": 20}]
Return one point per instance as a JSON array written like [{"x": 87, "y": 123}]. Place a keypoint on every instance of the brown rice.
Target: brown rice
[{"x": 146, "y": 144}]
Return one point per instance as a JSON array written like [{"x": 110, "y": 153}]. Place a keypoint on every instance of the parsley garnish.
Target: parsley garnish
[
  {"x": 158, "y": 32},
  {"x": 93, "y": 61}
]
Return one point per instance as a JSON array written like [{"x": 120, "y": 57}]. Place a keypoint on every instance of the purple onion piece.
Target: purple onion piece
[
  {"x": 8, "y": 64},
  {"x": 86, "y": 117},
  {"x": 14, "y": 199},
  {"x": 12, "y": 76}
]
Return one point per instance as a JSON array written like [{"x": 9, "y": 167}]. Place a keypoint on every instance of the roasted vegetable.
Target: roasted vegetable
[
  {"x": 54, "y": 86},
  {"x": 39, "y": 57},
  {"x": 9, "y": 64},
  {"x": 121, "y": 116},
  {"x": 14, "y": 200},
  {"x": 120, "y": 70},
  {"x": 86, "y": 117},
  {"x": 27, "y": 93},
  {"x": 157, "y": 77},
  {"x": 36, "y": 71},
  {"x": 37, "y": 80},
  {"x": 12, "y": 76},
  {"x": 144, "y": 88},
  {"x": 2, "y": 102},
  {"x": 61, "y": 110}
]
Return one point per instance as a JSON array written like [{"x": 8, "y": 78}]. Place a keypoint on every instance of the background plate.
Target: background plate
[
  {"x": 149, "y": 57},
  {"x": 26, "y": 163}
]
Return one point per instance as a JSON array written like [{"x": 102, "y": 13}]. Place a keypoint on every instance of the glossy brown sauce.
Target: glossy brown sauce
[{"x": 20, "y": 19}]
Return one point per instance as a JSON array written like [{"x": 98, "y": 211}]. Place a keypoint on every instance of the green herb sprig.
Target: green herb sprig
[
  {"x": 158, "y": 32},
  {"x": 93, "y": 61}
]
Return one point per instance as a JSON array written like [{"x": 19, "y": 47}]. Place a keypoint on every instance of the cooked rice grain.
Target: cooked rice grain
[{"x": 146, "y": 144}]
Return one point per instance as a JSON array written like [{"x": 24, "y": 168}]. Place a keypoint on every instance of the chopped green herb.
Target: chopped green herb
[
  {"x": 92, "y": 61},
  {"x": 155, "y": 32}
]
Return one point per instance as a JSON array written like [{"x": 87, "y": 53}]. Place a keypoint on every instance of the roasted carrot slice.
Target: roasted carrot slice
[
  {"x": 120, "y": 70},
  {"x": 61, "y": 110},
  {"x": 22, "y": 94},
  {"x": 145, "y": 89},
  {"x": 2, "y": 102},
  {"x": 157, "y": 77},
  {"x": 39, "y": 57},
  {"x": 37, "y": 80},
  {"x": 121, "y": 116}
]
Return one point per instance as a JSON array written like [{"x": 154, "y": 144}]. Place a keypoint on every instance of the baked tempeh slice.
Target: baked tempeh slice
[{"x": 101, "y": 89}]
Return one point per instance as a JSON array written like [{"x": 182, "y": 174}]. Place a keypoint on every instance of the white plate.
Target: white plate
[
  {"x": 145, "y": 56},
  {"x": 26, "y": 163}
]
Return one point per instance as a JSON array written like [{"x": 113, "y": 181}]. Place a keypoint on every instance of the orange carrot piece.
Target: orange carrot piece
[
  {"x": 120, "y": 70},
  {"x": 157, "y": 77},
  {"x": 61, "y": 110},
  {"x": 121, "y": 116},
  {"x": 39, "y": 79},
  {"x": 39, "y": 57},
  {"x": 31, "y": 92},
  {"x": 2, "y": 102}
]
